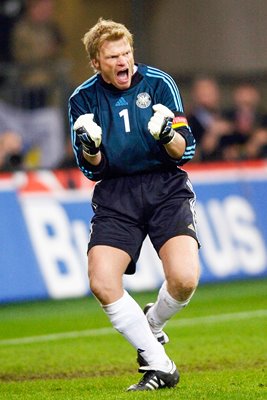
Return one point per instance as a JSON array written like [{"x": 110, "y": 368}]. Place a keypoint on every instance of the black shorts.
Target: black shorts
[{"x": 157, "y": 204}]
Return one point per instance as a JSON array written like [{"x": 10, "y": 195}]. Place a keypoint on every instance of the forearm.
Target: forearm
[
  {"x": 181, "y": 148},
  {"x": 176, "y": 147},
  {"x": 93, "y": 172},
  {"x": 93, "y": 159}
]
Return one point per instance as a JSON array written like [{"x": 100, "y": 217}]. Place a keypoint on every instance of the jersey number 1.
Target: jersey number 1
[{"x": 124, "y": 114}]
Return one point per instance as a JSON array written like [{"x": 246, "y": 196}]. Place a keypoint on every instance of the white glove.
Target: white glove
[
  {"x": 88, "y": 131},
  {"x": 159, "y": 120}
]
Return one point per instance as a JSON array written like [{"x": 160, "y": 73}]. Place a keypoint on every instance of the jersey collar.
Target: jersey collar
[{"x": 136, "y": 78}]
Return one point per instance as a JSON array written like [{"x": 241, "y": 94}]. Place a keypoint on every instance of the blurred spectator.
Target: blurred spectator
[
  {"x": 256, "y": 145},
  {"x": 35, "y": 93},
  {"x": 205, "y": 105},
  {"x": 246, "y": 112},
  {"x": 205, "y": 118},
  {"x": 41, "y": 133},
  {"x": 231, "y": 135},
  {"x": 36, "y": 48},
  {"x": 246, "y": 116},
  {"x": 211, "y": 148},
  {"x": 10, "y": 10},
  {"x": 11, "y": 153}
]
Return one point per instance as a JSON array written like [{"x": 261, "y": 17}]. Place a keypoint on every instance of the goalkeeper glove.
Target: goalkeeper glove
[
  {"x": 160, "y": 124},
  {"x": 89, "y": 132}
]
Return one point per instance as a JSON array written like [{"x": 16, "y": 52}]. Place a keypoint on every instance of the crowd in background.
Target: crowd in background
[
  {"x": 34, "y": 88},
  {"x": 237, "y": 132}
]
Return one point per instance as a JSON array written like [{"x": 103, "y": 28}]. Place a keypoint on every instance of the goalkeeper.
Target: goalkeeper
[{"x": 130, "y": 133}]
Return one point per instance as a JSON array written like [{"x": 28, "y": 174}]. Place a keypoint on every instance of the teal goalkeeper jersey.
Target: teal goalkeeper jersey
[{"x": 127, "y": 145}]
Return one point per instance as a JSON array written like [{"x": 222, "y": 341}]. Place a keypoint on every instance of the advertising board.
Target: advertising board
[{"x": 45, "y": 218}]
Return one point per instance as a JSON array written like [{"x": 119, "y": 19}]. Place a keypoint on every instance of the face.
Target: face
[
  {"x": 115, "y": 62},
  {"x": 246, "y": 97},
  {"x": 206, "y": 93}
]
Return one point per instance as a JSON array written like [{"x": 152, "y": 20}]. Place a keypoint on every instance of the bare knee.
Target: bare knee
[
  {"x": 182, "y": 286},
  {"x": 96, "y": 287},
  {"x": 105, "y": 277},
  {"x": 106, "y": 289},
  {"x": 180, "y": 260}
]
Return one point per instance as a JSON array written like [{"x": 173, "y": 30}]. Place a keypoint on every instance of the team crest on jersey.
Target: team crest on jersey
[{"x": 143, "y": 100}]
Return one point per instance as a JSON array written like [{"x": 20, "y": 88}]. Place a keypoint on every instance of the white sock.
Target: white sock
[
  {"x": 164, "y": 308},
  {"x": 128, "y": 318}
]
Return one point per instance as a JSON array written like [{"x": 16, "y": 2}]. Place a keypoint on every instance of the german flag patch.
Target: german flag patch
[{"x": 179, "y": 121}]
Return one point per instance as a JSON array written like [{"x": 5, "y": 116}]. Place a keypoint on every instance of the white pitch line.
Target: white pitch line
[
  {"x": 58, "y": 336},
  {"x": 219, "y": 318},
  {"x": 108, "y": 331}
]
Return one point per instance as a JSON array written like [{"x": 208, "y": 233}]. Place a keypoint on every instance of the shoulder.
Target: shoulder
[
  {"x": 156, "y": 73},
  {"x": 87, "y": 86},
  {"x": 159, "y": 78}
]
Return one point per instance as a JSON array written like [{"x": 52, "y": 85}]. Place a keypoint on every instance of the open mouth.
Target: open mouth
[{"x": 123, "y": 76}]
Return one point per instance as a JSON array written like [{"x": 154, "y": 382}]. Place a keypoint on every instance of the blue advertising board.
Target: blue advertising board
[{"x": 44, "y": 227}]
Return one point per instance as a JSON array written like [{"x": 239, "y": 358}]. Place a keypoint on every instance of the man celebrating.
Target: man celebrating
[{"x": 129, "y": 132}]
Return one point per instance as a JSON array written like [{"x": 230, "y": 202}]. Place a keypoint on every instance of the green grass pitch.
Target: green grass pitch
[{"x": 68, "y": 350}]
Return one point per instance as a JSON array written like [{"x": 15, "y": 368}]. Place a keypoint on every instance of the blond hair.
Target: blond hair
[{"x": 104, "y": 30}]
